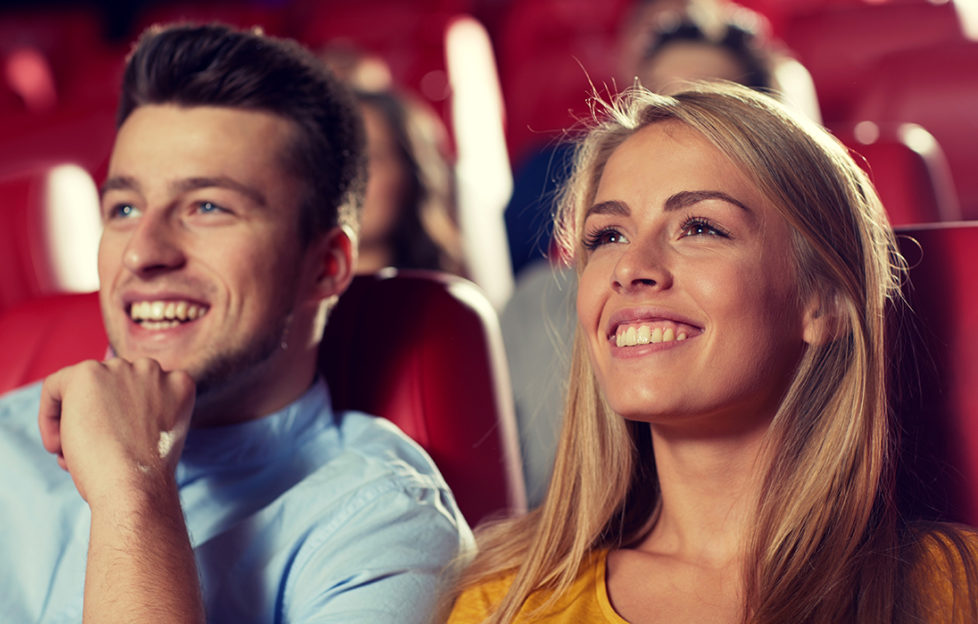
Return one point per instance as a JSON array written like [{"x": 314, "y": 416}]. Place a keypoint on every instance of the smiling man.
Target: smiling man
[{"x": 205, "y": 476}]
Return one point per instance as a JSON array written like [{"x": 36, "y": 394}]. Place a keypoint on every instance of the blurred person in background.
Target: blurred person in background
[{"x": 409, "y": 216}]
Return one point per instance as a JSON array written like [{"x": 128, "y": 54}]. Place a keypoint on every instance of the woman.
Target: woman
[
  {"x": 408, "y": 218},
  {"x": 726, "y": 455}
]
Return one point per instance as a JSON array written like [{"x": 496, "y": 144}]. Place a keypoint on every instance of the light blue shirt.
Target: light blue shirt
[{"x": 301, "y": 516}]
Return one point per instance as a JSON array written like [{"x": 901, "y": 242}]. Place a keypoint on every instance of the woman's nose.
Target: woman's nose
[{"x": 642, "y": 265}]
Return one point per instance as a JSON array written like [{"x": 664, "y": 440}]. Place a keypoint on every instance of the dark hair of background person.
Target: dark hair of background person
[
  {"x": 738, "y": 41},
  {"x": 424, "y": 234},
  {"x": 215, "y": 65}
]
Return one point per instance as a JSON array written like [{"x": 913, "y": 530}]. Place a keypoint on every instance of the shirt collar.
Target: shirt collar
[{"x": 256, "y": 441}]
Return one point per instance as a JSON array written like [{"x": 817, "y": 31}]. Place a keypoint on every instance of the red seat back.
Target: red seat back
[
  {"x": 840, "y": 43},
  {"x": 425, "y": 351},
  {"x": 907, "y": 167},
  {"x": 936, "y": 360},
  {"x": 39, "y": 336},
  {"x": 936, "y": 87}
]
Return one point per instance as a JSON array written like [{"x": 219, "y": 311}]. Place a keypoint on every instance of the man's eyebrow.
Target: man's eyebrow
[
  {"x": 118, "y": 183},
  {"x": 612, "y": 207},
  {"x": 688, "y": 198},
  {"x": 190, "y": 184}
]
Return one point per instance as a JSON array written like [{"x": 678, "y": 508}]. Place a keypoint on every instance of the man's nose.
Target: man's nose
[{"x": 154, "y": 247}]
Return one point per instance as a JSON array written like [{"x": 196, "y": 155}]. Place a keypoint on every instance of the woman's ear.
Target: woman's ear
[
  {"x": 332, "y": 258},
  {"x": 822, "y": 320}
]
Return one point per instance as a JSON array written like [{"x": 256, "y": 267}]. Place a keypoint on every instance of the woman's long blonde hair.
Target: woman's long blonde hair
[{"x": 826, "y": 546}]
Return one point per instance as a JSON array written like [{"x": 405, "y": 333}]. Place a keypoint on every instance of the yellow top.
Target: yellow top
[
  {"x": 942, "y": 575},
  {"x": 585, "y": 601}
]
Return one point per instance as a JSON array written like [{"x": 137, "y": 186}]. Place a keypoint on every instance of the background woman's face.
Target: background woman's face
[
  {"x": 688, "y": 299},
  {"x": 386, "y": 179}
]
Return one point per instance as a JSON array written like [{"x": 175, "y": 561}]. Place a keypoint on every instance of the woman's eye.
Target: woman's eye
[
  {"x": 697, "y": 226},
  {"x": 603, "y": 237}
]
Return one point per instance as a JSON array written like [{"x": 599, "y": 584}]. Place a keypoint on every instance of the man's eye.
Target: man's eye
[
  {"x": 123, "y": 211},
  {"x": 206, "y": 207}
]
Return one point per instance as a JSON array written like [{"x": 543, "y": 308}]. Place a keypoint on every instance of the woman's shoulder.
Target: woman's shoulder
[
  {"x": 946, "y": 571},
  {"x": 946, "y": 548},
  {"x": 586, "y": 600}
]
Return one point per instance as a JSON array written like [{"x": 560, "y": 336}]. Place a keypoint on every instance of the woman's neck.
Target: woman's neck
[{"x": 709, "y": 488}]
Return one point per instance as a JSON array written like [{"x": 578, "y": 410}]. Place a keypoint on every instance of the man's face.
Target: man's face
[{"x": 200, "y": 261}]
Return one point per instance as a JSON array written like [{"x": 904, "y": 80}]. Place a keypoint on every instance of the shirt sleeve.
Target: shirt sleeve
[{"x": 383, "y": 561}]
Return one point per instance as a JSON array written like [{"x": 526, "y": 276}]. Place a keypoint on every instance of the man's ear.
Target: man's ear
[
  {"x": 822, "y": 318},
  {"x": 332, "y": 257}
]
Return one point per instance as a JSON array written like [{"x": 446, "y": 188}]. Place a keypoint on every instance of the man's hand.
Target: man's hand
[
  {"x": 115, "y": 423},
  {"x": 119, "y": 427}
]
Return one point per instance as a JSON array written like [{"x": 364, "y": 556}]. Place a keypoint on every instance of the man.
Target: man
[{"x": 204, "y": 472}]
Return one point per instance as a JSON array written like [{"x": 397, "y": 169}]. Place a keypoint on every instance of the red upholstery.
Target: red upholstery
[
  {"x": 936, "y": 399},
  {"x": 22, "y": 267},
  {"x": 422, "y": 349},
  {"x": 936, "y": 88},
  {"x": 840, "y": 43},
  {"x": 82, "y": 135},
  {"x": 907, "y": 167},
  {"x": 548, "y": 51},
  {"x": 240, "y": 14},
  {"x": 425, "y": 351},
  {"x": 39, "y": 336}
]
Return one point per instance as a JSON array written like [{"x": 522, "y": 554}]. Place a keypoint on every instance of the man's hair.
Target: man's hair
[{"x": 215, "y": 65}]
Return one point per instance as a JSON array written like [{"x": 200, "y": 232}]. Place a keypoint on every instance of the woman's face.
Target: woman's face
[
  {"x": 688, "y": 300},
  {"x": 386, "y": 179}
]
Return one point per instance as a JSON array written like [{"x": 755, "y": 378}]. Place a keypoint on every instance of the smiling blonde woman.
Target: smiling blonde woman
[{"x": 726, "y": 453}]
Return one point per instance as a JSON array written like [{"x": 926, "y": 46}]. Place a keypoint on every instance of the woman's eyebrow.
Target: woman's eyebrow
[
  {"x": 609, "y": 207},
  {"x": 688, "y": 198}
]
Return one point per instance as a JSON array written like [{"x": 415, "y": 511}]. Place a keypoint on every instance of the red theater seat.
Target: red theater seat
[
  {"x": 549, "y": 51},
  {"x": 936, "y": 358},
  {"x": 935, "y": 87},
  {"x": 907, "y": 167},
  {"x": 39, "y": 336},
  {"x": 839, "y": 43},
  {"x": 421, "y": 349},
  {"x": 425, "y": 350},
  {"x": 22, "y": 266}
]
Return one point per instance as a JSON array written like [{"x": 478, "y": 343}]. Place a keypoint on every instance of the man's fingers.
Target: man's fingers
[{"x": 49, "y": 414}]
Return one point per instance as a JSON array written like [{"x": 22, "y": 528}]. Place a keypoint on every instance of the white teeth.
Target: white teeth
[
  {"x": 164, "y": 314},
  {"x": 645, "y": 334}
]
